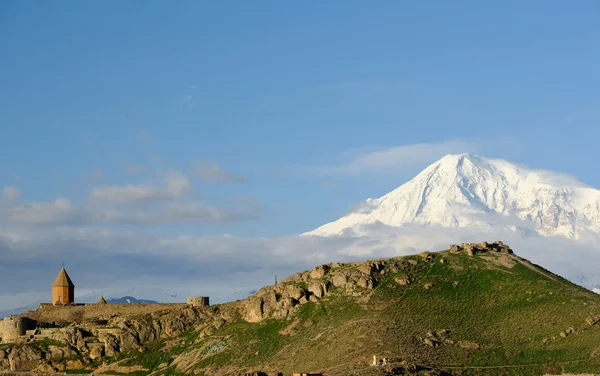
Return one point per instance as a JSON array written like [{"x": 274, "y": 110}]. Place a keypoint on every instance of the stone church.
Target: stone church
[{"x": 63, "y": 289}]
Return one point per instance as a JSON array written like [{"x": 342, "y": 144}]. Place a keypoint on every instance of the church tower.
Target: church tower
[{"x": 63, "y": 289}]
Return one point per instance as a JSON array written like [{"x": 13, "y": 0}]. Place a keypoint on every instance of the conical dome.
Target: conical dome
[
  {"x": 102, "y": 300},
  {"x": 63, "y": 279}
]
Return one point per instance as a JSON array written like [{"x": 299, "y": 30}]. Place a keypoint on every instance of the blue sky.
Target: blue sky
[{"x": 264, "y": 110}]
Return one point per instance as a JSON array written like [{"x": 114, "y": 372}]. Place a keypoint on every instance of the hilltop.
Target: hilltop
[{"x": 472, "y": 309}]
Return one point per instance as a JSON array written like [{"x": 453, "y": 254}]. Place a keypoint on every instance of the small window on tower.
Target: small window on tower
[{"x": 60, "y": 299}]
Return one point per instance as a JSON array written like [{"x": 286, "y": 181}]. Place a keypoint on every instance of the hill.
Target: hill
[{"x": 475, "y": 309}]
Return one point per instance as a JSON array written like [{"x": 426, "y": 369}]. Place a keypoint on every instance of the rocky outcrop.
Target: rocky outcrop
[
  {"x": 282, "y": 299},
  {"x": 472, "y": 249},
  {"x": 119, "y": 334}
]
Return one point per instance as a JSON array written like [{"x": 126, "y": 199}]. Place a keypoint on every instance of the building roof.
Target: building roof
[
  {"x": 102, "y": 300},
  {"x": 63, "y": 280}
]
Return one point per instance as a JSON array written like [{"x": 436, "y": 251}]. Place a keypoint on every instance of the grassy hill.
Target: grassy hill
[{"x": 492, "y": 313}]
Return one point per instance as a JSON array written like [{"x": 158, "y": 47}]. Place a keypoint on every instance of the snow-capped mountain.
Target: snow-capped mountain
[{"x": 469, "y": 191}]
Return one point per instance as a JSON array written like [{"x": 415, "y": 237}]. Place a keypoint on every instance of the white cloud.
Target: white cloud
[
  {"x": 60, "y": 210},
  {"x": 170, "y": 199},
  {"x": 215, "y": 173},
  {"x": 176, "y": 186},
  {"x": 393, "y": 159},
  {"x": 116, "y": 261},
  {"x": 187, "y": 98}
]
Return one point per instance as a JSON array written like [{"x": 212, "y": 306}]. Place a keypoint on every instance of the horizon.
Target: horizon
[{"x": 185, "y": 147}]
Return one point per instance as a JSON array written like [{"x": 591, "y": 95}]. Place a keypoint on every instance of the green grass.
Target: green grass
[{"x": 47, "y": 342}]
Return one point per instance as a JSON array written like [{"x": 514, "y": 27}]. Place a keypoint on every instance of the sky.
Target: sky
[{"x": 137, "y": 136}]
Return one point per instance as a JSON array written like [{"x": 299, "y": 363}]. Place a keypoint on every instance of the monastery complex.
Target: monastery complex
[{"x": 63, "y": 310}]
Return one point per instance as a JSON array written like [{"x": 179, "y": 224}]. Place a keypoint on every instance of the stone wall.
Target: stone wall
[
  {"x": 198, "y": 301},
  {"x": 69, "y": 314},
  {"x": 14, "y": 326}
]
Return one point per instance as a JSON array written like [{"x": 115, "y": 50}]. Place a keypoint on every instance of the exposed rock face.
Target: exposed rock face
[
  {"x": 592, "y": 320},
  {"x": 319, "y": 271},
  {"x": 125, "y": 333},
  {"x": 283, "y": 298},
  {"x": 472, "y": 249}
]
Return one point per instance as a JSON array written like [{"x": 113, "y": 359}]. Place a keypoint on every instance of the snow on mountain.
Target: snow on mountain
[{"x": 472, "y": 192}]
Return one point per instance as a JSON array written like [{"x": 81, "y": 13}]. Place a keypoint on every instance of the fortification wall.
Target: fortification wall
[
  {"x": 198, "y": 301},
  {"x": 14, "y": 326},
  {"x": 62, "y": 314}
]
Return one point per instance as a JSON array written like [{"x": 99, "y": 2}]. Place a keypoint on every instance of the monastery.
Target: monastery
[{"x": 63, "y": 309}]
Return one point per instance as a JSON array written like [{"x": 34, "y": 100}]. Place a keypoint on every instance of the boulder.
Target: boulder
[
  {"x": 317, "y": 289},
  {"x": 111, "y": 345},
  {"x": 319, "y": 271},
  {"x": 293, "y": 291},
  {"x": 403, "y": 281},
  {"x": 426, "y": 256},
  {"x": 74, "y": 365},
  {"x": 365, "y": 282},
  {"x": 252, "y": 311},
  {"x": 96, "y": 352},
  {"x": 455, "y": 248},
  {"x": 468, "y": 345},
  {"x": 45, "y": 368},
  {"x": 340, "y": 280},
  {"x": 127, "y": 341},
  {"x": 366, "y": 268}
]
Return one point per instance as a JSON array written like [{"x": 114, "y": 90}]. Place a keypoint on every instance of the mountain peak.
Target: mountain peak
[{"x": 469, "y": 191}]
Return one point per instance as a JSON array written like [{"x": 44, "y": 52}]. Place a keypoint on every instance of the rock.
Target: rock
[
  {"x": 253, "y": 310},
  {"x": 456, "y": 283},
  {"x": 296, "y": 277},
  {"x": 317, "y": 289},
  {"x": 111, "y": 345},
  {"x": 340, "y": 280},
  {"x": 426, "y": 256},
  {"x": 468, "y": 345},
  {"x": 74, "y": 365},
  {"x": 127, "y": 341},
  {"x": 319, "y": 271},
  {"x": 219, "y": 323},
  {"x": 592, "y": 320},
  {"x": 563, "y": 334},
  {"x": 366, "y": 268},
  {"x": 413, "y": 262},
  {"x": 308, "y": 323},
  {"x": 546, "y": 340},
  {"x": 403, "y": 281},
  {"x": 428, "y": 286},
  {"x": 293, "y": 291},
  {"x": 443, "y": 261},
  {"x": 45, "y": 368},
  {"x": 96, "y": 352},
  {"x": 55, "y": 352},
  {"x": 365, "y": 282},
  {"x": 313, "y": 299},
  {"x": 454, "y": 248},
  {"x": 303, "y": 300},
  {"x": 469, "y": 249}
]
